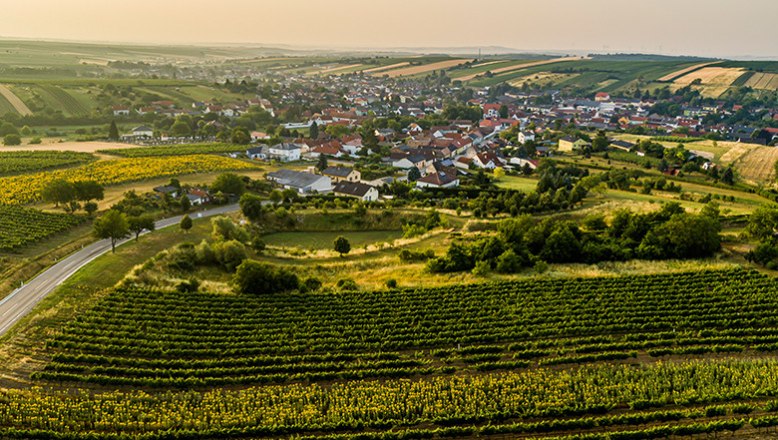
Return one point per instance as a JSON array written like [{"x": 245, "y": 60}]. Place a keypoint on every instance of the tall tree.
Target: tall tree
[
  {"x": 113, "y": 132},
  {"x": 112, "y": 225},
  {"x": 314, "y": 130},
  {"x": 321, "y": 165},
  {"x": 186, "y": 223}
]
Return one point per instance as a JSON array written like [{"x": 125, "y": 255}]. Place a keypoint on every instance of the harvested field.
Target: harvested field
[
  {"x": 17, "y": 103},
  {"x": 714, "y": 80},
  {"x": 524, "y": 66},
  {"x": 763, "y": 81},
  {"x": 679, "y": 73},
  {"x": 758, "y": 165},
  {"x": 424, "y": 68},
  {"x": 389, "y": 67},
  {"x": 81, "y": 147}
]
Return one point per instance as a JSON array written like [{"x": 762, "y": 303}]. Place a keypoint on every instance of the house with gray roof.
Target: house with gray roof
[{"x": 304, "y": 183}]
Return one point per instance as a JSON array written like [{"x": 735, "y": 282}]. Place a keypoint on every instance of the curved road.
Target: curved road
[{"x": 21, "y": 301}]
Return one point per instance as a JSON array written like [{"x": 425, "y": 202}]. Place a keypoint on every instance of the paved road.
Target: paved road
[{"x": 21, "y": 301}]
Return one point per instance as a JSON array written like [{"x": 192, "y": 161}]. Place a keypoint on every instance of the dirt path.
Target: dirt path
[
  {"x": 20, "y": 106},
  {"x": 82, "y": 147}
]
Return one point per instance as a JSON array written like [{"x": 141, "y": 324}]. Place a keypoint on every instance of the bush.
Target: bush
[
  {"x": 311, "y": 284},
  {"x": 408, "y": 255},
  {"x": 541, "y": 267},
  {"x": 188, "y": 286},
  {"x": 230, "y": 254},
  {"x": 391, "y": 283},
  {"x": 347, "y": 285},
  {"x": 509, "y": 262},
  {"x": 183, "y": 257},
  {"x": 481, "y": 268},
  {"x": 12, "y": 139},
  {"x": 254, "y": 277},
  {"x": 205, "y": 254}
]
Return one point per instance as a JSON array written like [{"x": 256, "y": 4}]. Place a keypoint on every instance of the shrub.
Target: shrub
[
  {"x": 188, "y": 286},
  {"x": 230, "y": 254},
  {"x": 391, "y": 283},
  {"x": 346, "y": 285},
  {"x": 254, "y": 277}
]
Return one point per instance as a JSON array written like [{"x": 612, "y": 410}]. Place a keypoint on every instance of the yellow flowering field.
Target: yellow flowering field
[{"x": 26, "y": 188}]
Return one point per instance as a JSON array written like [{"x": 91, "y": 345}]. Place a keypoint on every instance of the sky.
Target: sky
[{"x": 713, "y": 28}]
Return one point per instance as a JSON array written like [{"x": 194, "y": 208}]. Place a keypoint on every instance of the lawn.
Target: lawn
[
  {"x": 519, "y": 183},
  {"x": 324, "y": 240}
]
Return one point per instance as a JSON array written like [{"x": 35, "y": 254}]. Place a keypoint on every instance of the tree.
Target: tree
[
  {"x": 8, "y": 128},
  {"x": 498, "y": 173},
  {"x": 12, "y": 139},
  {"x": 314, "y": 130},
  {"x": 257, "y": 278},
  {"x": 59, "y": 192},
  {"x": 180, "y": 128},
  {"x": 140, "y": 223},
  {"x": 229, "y": 183},
  {"x": 321, "y": 165},
  {"x": 414, "y": 174},
  {"x": 504, "y": 111},
  {"x": 113, "y": 132},
  {"x": 600, "y": 142},
  {"x": 342, "y": 245},
  {"x": 185, "y": 203},
  {"x": 90, "y": 208},
  {"x": 88, "y": 190},
  {"x": 112, "y": 225},
  {"x": 728, "y": 176},
  {"x": 252, "y": 207},
  {"x": 186, "y": 223},
  {"x": 240, "y": 136}
]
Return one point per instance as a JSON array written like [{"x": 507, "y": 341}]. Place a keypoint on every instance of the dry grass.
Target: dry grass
[
  {"x": 763, "y": 81},
  {"x": 679, "y": 73},
  {"x": 758, "y": 164},
  {"x": 524, "y": 66},
  {"x": 415, "y": 70},
  {"x": 714, "y": 80},
  {"x": 20, "y": 106}
]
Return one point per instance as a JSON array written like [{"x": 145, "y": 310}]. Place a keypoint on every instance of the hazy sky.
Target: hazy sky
[{"x": 694, "y": 27}]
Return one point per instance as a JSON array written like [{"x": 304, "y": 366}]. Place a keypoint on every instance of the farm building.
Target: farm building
[
  {"x": 621, "y": 145},
  {"x": 569, "y": 144},
  {"x": 302, "y": 182},
  {"x": 338, "y": 174}
]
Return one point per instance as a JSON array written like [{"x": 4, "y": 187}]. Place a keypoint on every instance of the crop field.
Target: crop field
[
  {"x": 17, "y": 104},
  {"x": 758, "y": 164},
  {"x": 19, "y": 162},
  {"x": 176, "y": 150},
  {"x": 543, "y": 79},
  {"x": 519, "y": 66},
  {"x": 714, "y": 80},
  {"x": 678, "y": 73},
  {"x": 763, "y": 81},
  {"x": 20, "y": 226},
  {"x": 26, "y": 188},
  {"x": 421, "y": 69},
  {"x": 58, "y": 99},
  {"x": 687, "y": 354},
  {"x": 161, "y": 339}
]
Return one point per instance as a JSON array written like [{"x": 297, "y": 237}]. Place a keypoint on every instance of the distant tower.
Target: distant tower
[{"x": 479, "y": 54}]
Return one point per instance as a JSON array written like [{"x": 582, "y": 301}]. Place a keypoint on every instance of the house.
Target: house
[
  {"x": 302, "y": 182},
  {"x": 198, "y": 197},
  {"x": 487, "y": 160},
  {"x": 521, "y": 162},
  {"x": 120, "y": 110},
  {"x": 143, "y": 132},
  {"x": 258, "y": 153},
  {"x": 622, "y": 145},
  {"x": 438, "y": 180},
  {"x": 257, "y": 136},
  {"x": 526, "y": 136},
  {"x": 569, "y": 144},
  {"x": 338, "y": 174},
  {"x": 285, "y": 152},
  {"x": 407, "y": 162},
  {"x": 360, "y": 190},
  {"x": 170, "y": 190},
  {"x": 491, "y": 111},
  {"x": 602, "y": 97}
]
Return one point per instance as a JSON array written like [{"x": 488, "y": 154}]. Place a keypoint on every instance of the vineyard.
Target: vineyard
[
  {"x": 27, "y": 188},
  {"x": 177, "y": 150},
  {"x": 18, "y": 162},
  {"x": 20, "y": 226},
  {"x": 176, "y": 340}
]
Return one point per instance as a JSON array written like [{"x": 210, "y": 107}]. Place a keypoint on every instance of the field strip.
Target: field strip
[
  {"x": 763, "y": 81},
  {"x": 389, "y": 67},
  {"x": 523, "y": 66},
  {"x": 334, "y": 69},
  {"x": 757, "y": 165},
  {"x": 679, "y": 73},
  {"x": 20, "y": 106},
  {"x": 415, "y": 70}
]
